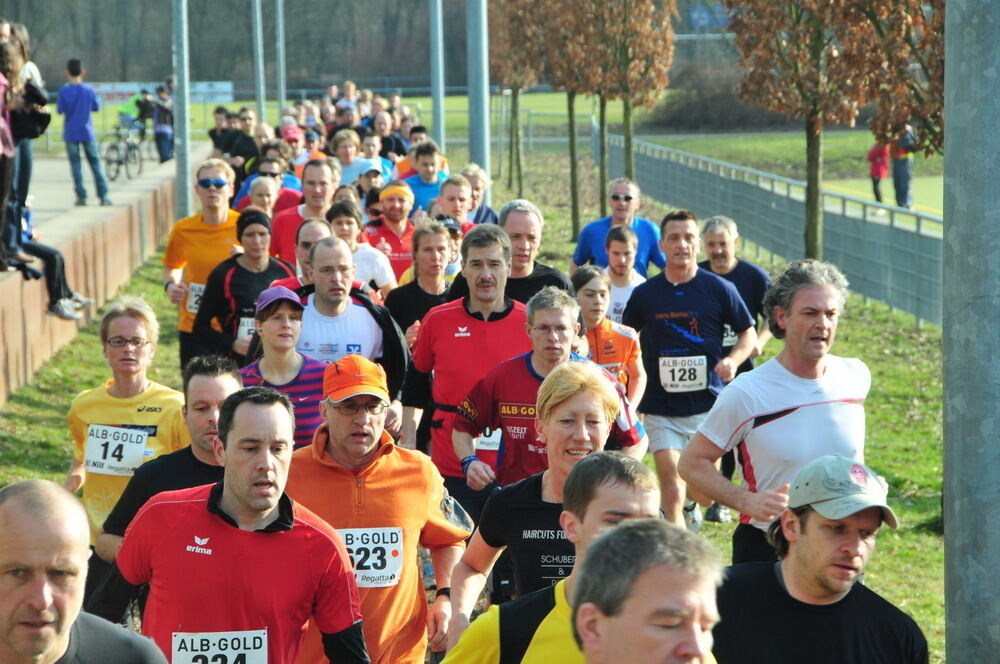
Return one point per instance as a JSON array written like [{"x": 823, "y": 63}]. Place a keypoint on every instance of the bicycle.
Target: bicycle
[{"x": 124, "y": 151}]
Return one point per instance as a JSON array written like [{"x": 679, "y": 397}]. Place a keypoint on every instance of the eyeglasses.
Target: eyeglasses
[
  {"x": 372, "y": 212},
  {"x": 269, "y": 175},
  {"x": 350, "y": 408},
  {"x": 206, "y": 183},
  {"x": 622, "y": 197},
  {"x": 121, "y": 342}
]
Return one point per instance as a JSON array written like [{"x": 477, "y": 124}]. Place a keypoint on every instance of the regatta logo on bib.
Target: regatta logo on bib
[
  {"x": 463, "y": 332},
  {"x": 200, "y": 546}
]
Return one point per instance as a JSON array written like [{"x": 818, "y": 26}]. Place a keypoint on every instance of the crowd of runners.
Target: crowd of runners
[{"x": 401, "y": 437}]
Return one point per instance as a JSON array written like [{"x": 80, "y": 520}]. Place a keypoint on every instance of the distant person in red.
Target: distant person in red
[{"x": 878, "y": 167}]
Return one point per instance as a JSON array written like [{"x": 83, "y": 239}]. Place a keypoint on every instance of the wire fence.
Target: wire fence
[{"x": 888, "y": 253}]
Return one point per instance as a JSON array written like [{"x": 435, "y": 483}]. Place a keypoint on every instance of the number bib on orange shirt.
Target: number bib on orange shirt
[{"x": 376, "y": 554}]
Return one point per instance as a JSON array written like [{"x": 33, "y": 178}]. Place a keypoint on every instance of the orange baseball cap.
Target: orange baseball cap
[{"x": 353, "y": 375}]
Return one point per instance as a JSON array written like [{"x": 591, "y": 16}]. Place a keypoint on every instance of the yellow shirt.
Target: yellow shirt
[
  {"x": 113, "y": 436},
  {"x": 198, "y": 247}
]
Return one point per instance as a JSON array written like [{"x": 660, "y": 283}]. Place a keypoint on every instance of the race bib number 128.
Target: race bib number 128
[
  {"x": 684, "y": 374},
  {"x": 243, "y": 647}
]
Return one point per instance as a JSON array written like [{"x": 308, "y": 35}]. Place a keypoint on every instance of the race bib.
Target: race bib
[
  {"x": 728, "y": 336},
  {"x": 243, "y": 647},
  {"x": 195, "y": 293},
  {"x": 246, "y": 328},
  {"x": 376, "y": 554},
  {"x": 684, "y": 374},
  {"x": 114, "y": 450},
  {"x": 489, "y": 443}
]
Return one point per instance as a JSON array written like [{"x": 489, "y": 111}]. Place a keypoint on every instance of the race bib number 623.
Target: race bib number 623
[{"x": 376, "y": 553}]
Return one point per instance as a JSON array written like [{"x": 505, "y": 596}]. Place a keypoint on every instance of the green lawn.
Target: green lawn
[{"x": 904, "y": 441}]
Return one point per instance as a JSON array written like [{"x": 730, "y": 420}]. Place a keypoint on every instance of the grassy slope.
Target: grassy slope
[{"x": 904, "y": 407}]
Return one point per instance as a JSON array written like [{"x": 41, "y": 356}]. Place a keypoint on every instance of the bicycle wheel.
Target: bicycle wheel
[
  {"x": 112, "y": 161},
  {"x": 133, "y": 160}
]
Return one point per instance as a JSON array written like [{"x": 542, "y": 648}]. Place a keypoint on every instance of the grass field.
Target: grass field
[{"x": 904, "y": 441}]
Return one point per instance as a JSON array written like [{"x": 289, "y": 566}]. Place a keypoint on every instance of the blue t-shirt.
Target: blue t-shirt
[
  {"x": 423, "y": 192},
  {"x": 680, "y": 333},
  {"x": 360, "y": 166},
  {"x": 752, "y": 282},
  {"x": 590, "y": 247},
  {"x": 77, "y": 101}
]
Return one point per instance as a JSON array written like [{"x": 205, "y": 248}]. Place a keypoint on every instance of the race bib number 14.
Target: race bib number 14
[
  {"x": 376, "y": 553},
  {"x": 684, "y": 374},
  {"x": 114, "y": 450},
  {"x": 244, "y": 647}
]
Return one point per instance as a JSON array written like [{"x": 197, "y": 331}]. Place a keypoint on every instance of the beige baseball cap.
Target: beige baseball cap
[{"x": 838, "y": 487}]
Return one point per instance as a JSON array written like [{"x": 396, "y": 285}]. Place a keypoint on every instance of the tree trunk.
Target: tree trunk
[
  {"x": 602, "y": 153},
  {"x": 627, "y": 120},
  {"x": 814, "y": 183},
  {"x": 512, "y": 113},
  {"x": 574, "y": 190}
]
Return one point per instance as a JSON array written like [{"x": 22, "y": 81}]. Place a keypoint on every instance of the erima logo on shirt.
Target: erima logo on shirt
[
  {"x": 199, "y": 546},
  {"x": 149, "y": 409},
  {"x": 463, "y": 332}
]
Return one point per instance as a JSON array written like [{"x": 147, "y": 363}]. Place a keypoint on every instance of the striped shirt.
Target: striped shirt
[{"x": 305, "y": 391}]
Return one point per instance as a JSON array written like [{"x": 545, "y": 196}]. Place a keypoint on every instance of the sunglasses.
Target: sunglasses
[
  {"x": 374, "y": 213},
  {"x": 622, "y": 197},
  {"x": 206, "y": 183}
]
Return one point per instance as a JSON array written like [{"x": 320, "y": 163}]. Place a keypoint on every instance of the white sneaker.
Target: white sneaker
[
  {"x": 64, "y": 309},
  {"x": 693, "y": 517}
]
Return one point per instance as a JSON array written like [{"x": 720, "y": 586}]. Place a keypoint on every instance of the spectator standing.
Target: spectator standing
[
  {"x": 163, "y": 123},
  {"x": 77, "y": 101},
  {"x": 878, "y": 168},
  {"x": 902, "y": 166}
]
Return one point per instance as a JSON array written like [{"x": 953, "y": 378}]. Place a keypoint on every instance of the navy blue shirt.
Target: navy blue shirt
[
  {"x": 752, "y": 282},
  {"x": 680, "y": 333}
]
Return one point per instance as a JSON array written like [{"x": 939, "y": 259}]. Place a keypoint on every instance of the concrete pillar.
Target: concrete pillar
[
  {"x": 479, "y": 85},
  {"x": 182, "y": 111},
  {"x": 437, "y": 73}
]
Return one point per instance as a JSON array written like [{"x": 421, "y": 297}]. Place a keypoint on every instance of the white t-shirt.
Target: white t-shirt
[
  {"x": 779, "y": 422},
  {"x": 620, "y": 294},
  {"x": 329, "y": 338},
  {"x": 372, "y": 265}
]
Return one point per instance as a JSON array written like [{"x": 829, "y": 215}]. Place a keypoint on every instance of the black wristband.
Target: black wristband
[
  {"x": 166, "y": 285},
  {"x": 443, "y": 592}
]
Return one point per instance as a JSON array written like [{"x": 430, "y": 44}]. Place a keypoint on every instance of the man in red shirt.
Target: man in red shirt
[
  {"x": 393, "y": 233},
  {"x": 460, "y": 341},
  {"x": 320, "y": 178},
  {"x": 235, "y": 569}
]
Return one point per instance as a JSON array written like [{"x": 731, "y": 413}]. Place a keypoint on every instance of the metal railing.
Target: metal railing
[{"x": 888, "y": 253}]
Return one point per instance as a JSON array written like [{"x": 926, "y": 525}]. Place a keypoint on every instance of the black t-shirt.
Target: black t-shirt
[
  {"x": 752, "y": 283},
  {"x": 761, "y": 622},
  {"x": 94, "y": 640},
  {"x": 230, "y": 294},
  {"x": 522, "y": 288},
  {"x": 177, "y": 470},
  {"x": 518, "y": 518},
  {"x": 220, "y": 137},
  {"x": 392, "y": 143},
  {"x": 409, "y": 303}
]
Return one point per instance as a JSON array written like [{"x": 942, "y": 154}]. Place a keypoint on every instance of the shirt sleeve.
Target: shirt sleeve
[
  {"x": 730, "y": 419},
  {"x": 447, "y": 523},
  {"x": 78, "y": 429},
  {"x": 582, "y": 254},
  {"x": 336, "y": 606},
  {"x": 491, "y": 521},
  {"x": 173, "y": 257},
  {"x": 134, "y": 559},
  {"x": 383, "y": 269},
  {"x": 477, "y": 412},
  {"x": 423, "y": 349},
  {"x": 737, "y": 314},
  {"x": 657, "y": 256},
  {"x": 632, "y": 316}
]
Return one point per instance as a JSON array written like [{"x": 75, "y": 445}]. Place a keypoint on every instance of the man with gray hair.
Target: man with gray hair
[
  {"x": 499, "y": 411},
  {"x": 44, "y": 547},
  {"x": 824, "y": 538},
  {"x": 647, "y": 594},
  {"x": 800, "y": 405},
  {"x": 721, "y": 239},
  {"x": 522, "y": 221}
]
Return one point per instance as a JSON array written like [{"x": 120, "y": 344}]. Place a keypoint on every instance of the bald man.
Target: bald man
[{"x": 44, "y": 547}]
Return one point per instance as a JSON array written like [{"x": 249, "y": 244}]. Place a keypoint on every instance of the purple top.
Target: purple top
[
  {"x": 6, "y": 138},
  {"x": 305, "y": 392},
  {"x": 77, "y": 101}
]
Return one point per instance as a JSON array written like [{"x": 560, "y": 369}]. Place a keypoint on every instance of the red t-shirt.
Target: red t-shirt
[
  {"x": 287, "y": 198},
  {"x": 284, "y": 227},
  {"x": 401, "y": 252},
  {"x": 460, "y": 348},
  {"x": 207, "y": 577}
]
